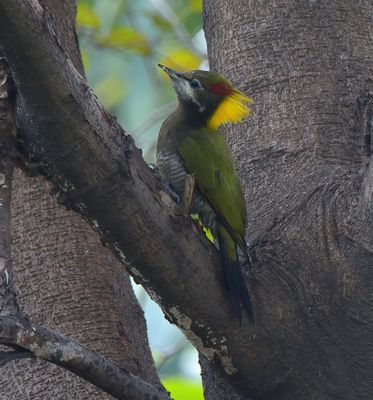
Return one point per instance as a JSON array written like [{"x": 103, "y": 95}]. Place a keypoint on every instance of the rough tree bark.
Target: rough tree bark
[
  {"x": 305, "y": 160},
  {"x": 63, "y": 277}
]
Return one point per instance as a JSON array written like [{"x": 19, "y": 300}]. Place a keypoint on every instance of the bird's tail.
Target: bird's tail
[{"x": 233, "y": 276}]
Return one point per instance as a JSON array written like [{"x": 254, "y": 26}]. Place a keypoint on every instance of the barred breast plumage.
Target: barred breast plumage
[{"x": 173, "y": 172}]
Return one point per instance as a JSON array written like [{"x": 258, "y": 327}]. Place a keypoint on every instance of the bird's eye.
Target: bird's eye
[{"x": 195, "y": 84}]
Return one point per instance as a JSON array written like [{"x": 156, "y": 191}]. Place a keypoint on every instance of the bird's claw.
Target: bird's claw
[
  {"x": 171, "y": 192},
  {"x": 155, "y": 170},
  {"x": 166, "y": 186}
]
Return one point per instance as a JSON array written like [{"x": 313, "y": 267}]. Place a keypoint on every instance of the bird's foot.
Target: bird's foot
[
  {"x": 167, "y": 187},
  {"x": 155, "y": 170}
]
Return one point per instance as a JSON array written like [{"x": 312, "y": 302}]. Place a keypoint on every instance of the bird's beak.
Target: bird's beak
[{"x": 171, "y": 73}]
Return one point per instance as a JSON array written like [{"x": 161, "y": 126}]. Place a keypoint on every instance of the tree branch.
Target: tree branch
[
  {"x": 69, "y": 354},
  {"x": 100, "y": 173}
]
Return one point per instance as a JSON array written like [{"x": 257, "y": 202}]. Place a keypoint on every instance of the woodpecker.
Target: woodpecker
[{"x": 189, "y": 142}]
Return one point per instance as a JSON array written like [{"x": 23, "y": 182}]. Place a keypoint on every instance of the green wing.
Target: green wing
[{"x": 206, "y": 154}]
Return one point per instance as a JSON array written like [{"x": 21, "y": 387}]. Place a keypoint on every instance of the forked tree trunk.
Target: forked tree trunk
[
  {"x": 65, "y": 278},
  {"x": 305, "y": 161}
]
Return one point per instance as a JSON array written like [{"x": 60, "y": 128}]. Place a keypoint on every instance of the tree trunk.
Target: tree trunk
[
  {"x": 65, "y": 278},
  {"x": 305, "y": 161}
]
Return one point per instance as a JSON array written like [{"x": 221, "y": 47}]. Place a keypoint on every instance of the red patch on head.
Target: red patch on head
[{"x": 221, "y": 89}]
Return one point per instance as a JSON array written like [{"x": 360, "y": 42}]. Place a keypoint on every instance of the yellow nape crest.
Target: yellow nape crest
[{"x": 233, "y": 108}]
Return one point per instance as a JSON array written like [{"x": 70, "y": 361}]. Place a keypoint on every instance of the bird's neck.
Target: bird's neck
[{"x": 192, "y": 115}]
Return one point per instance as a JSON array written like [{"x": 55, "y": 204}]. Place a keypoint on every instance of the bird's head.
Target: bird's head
[{"x": 210, "y": 95}]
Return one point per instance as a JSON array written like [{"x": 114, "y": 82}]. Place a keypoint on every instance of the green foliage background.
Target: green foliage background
[{"x": 122, "y": 41}]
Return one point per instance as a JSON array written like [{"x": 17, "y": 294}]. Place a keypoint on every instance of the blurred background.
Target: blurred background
[{"x": 121, "y": 42}]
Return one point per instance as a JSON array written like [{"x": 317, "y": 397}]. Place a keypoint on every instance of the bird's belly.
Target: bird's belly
[{"x": 172, "y": 171}]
